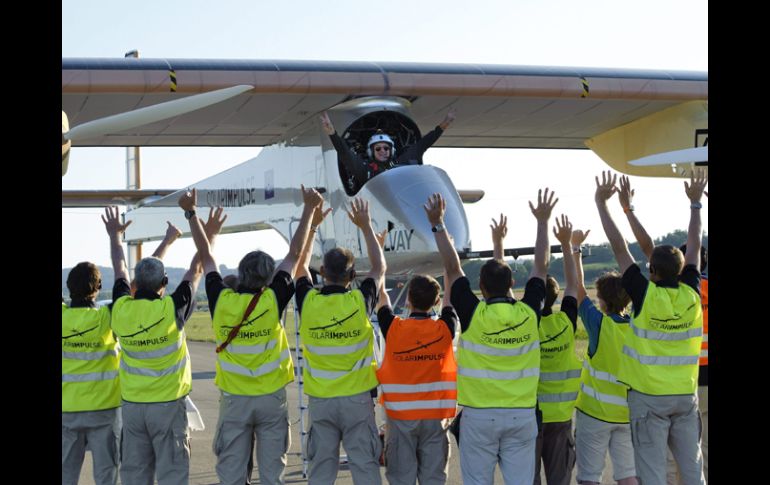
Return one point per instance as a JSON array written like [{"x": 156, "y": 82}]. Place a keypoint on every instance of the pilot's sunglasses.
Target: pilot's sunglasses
[{"x": 379, "y": 149}]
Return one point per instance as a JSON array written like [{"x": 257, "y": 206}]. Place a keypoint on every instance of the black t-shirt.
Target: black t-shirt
[
  {"x": 385, "y": 318},
  {"x": 570, "y": 307},
  {"x": 464, "y": 301},
  {"x": 368, "y": 288},
  {"x": 182, "y": 297},
  {"x": 635, "y": 283},
  {"x": 282, "y": 286}
]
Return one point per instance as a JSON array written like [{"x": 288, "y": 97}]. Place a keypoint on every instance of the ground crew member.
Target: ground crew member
[
  {"x": 419, "y": 384},
  {"x": 498, "y": 356},
  {"x": 659, "y": 359},
  {"x": 338, "y": 346},
  {"x": 90, "y": 387},
  {"x": 601, "y": 420},
  {"x": 625, "y": 197},
  {"x": 155, "y": 372},
  {"x": 559, "y": 382},
  {"x": 253, "y": 363}
]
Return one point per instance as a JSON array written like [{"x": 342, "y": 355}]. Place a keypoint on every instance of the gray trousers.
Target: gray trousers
[
  {"x": 98, "y": 431},
  {"x": 240, "y": 419},
  {"x": 703, "y": 406},
  {"x": 660, "y": 422},
  {"x": 349, "y": 419},
  {"x": 556, "y": 446},
  {"x": 416, "y": 450},
  {"x": 498, "y": 435},
  {"x": 156, "y": 443}
]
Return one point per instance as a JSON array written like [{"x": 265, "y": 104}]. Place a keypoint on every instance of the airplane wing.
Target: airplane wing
[{"x": 620, "y": 114}]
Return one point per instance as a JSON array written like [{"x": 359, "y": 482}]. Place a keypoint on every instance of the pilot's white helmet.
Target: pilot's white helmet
[{"x": 380, "y": 138}]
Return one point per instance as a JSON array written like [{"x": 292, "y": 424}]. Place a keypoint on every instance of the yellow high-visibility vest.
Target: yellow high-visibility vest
[
  {"x": 257, "y": 361},
  {"x": 499, "y": 357},
  {"x": 89, "y": 360},
  {"x": 559, "y": 381},
  {"x": 154, "y": 362},
  {"x": 660, "y": 356},
  {"x": 337, "y": 344}
]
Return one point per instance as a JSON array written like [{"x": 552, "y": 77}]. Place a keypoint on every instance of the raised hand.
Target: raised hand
[
  {"x": 545, "y": 205},
  {"x": 311, "y": 197},
  {"x": 626, "y": 193},
  {"x": 579, "y": 237},
  {"x": 215, "y": 222},
  {"x": 499, "y": 229},
  {"x": 435, "y": 209},
  {"x": 326, "y": 123},
  {"x": 112, "y": 221},
  {"x": 448, "y": 119},
  {"x": 359, "y": 212},
  {"x": 697, "y": 185},
  {"x": 189, "y": 200},
  {"x": 381, "y": 237},
  {"x": 172, "y": 232},
  {"x": 319, "y": 214},
  {"x": 606, "y": 188},
  {"x": 563, "y": 231}
]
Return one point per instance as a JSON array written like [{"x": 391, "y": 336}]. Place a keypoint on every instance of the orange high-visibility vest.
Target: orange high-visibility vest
[
  {"x": 419, "y": 372},
  {"x": 704, "y": 300}
]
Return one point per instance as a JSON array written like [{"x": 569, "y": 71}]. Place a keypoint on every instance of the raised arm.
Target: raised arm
[
  {"x": 542, "y": 213},
  {"x": 578, "y": 237},
  {"x": 604, "y": 191},
  {"x": 312, "y": 199},
  {"x": 694, "y": 191},
  {"x": 172, "y": 234},
  {"x": 384, "y": 298},
  {"x": 303, "y": 265},
  {"x": 435, "y": 209},
  {"x": 448, "y": 119},
  {"x": 188, "y": 202},
  {"x": 499, "y": 231},
  {"x": 625, "y": 196},
  {"x": 359, "y": 215},
  {"x": 326, "y": 124},
  {"x": 563, "y": 233},
  {"x": 114, "y": 230}
]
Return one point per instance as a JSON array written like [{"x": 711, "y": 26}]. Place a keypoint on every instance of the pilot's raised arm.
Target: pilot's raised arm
[
  {"x": 354, "y": 164},
  {"x": 413, "y": 153}
]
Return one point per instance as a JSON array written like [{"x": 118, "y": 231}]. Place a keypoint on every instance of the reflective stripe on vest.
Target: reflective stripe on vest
[
  {"x": 90, "y": 360},
  {"x": 660, "y": 355},
  {"x": 337, "y": 344},
  {"x": 419, "y": 373},
  {"x": 559, "y": 376},
  {"x": 602, "y": 396},
  {"x": 561, "y": 397},
  {"x": 257, "y": 361},
  {"x": 154, "y": 364},
  {"x": 484, "y": 379}
]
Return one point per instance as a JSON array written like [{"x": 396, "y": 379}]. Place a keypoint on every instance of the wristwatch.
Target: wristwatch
[
  {"x": 696, "y": 205},
  {"x": 438, "y": 227},
  {"x": 188, "y": 214},
  {"x": 628, "y": 209}
]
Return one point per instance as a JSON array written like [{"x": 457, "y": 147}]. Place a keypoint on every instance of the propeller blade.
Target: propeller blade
[
  {"x": 688, "y": 155},
  {"x": 151, "y": 114}
]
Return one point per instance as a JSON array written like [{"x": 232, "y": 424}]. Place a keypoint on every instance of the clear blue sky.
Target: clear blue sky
[{"x": 655, "y": 34}]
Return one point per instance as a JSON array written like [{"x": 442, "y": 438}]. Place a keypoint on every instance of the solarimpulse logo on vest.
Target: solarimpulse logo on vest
[
  {"x": 409, "y": 355},
  {"x": 327, "y": 331},
  {"x": 497, "y": 339}
]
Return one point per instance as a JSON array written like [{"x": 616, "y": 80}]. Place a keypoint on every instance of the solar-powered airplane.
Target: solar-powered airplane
[{"x": 640, "y": 122}]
